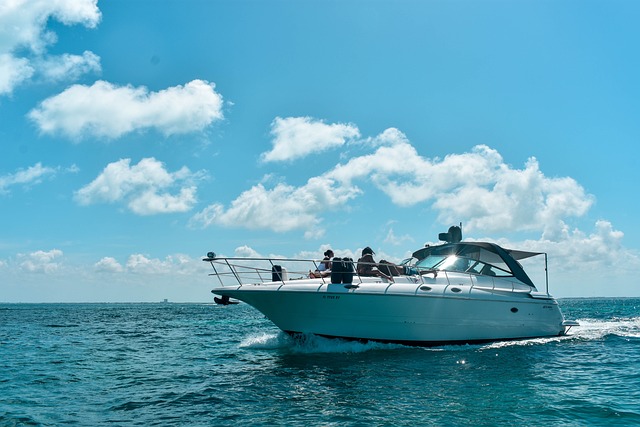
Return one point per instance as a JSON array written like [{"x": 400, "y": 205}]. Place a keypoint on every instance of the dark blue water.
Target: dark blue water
[{"x": 208, "y": 365}]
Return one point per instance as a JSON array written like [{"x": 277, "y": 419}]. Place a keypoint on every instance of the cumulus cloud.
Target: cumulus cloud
[
  {"x": 477, "y": 188},
  {"x": 143, "y": 187},
  {"x": 297, "y": 207},
  {"x": 26, "y": 177},
  {"x": 172, "y": 264},
  {"x": 603, "y": 263},
  {"x": 584, "y": 250},
  {"x": 515, "y": 199},
  {"x": 13, "y": 71},
  {"x": 246, "y": 252},
  {"x": 24, "y": 39},
  {"x": 40, "y": 261},
  {"x": 68, "y": 66},
  {"x": 108, "y": 265},
  {"x": 394, "y": 240},
  {"x": 144, "y": 265},
  {"x": 296, "y": 137},
  {"x": 109, "y": 111}
]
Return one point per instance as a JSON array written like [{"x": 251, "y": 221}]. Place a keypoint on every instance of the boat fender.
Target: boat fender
[{"x": 279, "y": 274}]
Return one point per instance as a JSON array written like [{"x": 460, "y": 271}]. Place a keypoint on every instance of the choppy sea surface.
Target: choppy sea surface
[{"x": 208, "y": 365}]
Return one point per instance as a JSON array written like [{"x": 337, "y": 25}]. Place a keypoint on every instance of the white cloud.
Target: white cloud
[
  {"x": 109, "y": 111},
  {"x": 396, "y": 240},
  {"x": 51, "y": 276},
  {"x": 23, "y": 29},
  {"x": 108, "y": 265},
  {"x": 395, "y": 158},
  {"x": 149, "y": 202},
  {"x": 72, "y": 169},
  {"x": 582, "y": 263},
  {"x": 296, "y": 137},
  {"x": 389, "y": 137},
  {"x": 282, "y": 208},
  {"x": 513, "y": 199},
  {"x": 477, "y": 188},
  {"x": 40, "y": 261},
  {"x": 246, "y": 252},
  {"x": 143, "y": 187},
  {"x": 30, "y": 176},
  {"x": 69, "y": 67},
  {"x": 13, "y": 71},
  {"x": 140, "y": 264},
  {"x": 580, "y": 250},
  {"x": 172, "y": 264}
]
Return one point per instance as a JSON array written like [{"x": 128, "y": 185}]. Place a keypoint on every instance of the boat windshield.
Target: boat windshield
[
  {"x": 431, "y": 262},
  {"x": 463, "y": 264}
]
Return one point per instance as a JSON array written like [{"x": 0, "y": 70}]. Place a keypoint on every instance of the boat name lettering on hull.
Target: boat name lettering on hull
[{"x": 330, "y": 297}]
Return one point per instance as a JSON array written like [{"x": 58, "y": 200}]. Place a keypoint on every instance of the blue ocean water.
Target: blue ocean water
[{"x": 208, "y": 365}]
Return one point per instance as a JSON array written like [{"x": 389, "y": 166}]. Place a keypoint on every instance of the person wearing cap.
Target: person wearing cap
[
  {"x": 366, "y": 263},
  {"x": 367, "y": 266}
]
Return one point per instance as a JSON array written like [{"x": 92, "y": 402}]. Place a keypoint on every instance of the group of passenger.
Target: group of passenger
[{"x": 366, "y": 266}]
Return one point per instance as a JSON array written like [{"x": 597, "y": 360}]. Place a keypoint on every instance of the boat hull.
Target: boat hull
[{"x": 415, "y": 319}]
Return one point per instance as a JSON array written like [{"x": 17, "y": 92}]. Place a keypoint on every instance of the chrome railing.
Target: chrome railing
[{"x": 254, "y": 271}]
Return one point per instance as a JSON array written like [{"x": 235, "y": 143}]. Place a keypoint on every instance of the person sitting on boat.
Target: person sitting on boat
[
  {"x": 324, "y": 268},
  {"x": 367, "y": 266}
]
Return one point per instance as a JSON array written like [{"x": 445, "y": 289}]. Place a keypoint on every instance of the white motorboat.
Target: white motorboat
[{"x": 454, "y": 293}]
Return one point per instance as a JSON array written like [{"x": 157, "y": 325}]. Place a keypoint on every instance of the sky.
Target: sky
[{"x": 136, "y": 136}]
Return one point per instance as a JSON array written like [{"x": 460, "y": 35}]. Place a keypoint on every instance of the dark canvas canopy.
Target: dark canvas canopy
[
  {"x": 489, "y": 253},
  {"x": 518, "y": 255}
]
